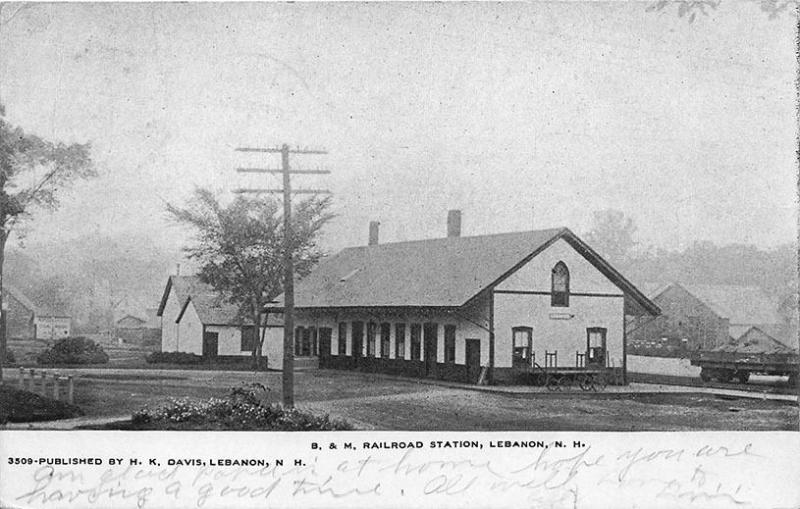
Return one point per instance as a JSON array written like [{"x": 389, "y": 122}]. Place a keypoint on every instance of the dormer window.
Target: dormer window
[{"x": 559, "y": 292}]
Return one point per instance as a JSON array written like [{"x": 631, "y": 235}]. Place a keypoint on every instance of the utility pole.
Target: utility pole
[{"x": 288, "y": 263}]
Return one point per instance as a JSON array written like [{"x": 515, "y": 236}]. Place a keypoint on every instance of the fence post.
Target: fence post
[
  {"x": 43, "y": 388},
  {"x": 31, "y": 380},
  {"x": 70, "y": 390},
  {"x": 21, "y": 381},
  {"x": 56, "y": 378}
]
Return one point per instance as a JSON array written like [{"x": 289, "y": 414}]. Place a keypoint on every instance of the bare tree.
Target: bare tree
[{"x": 612, "y": 235}]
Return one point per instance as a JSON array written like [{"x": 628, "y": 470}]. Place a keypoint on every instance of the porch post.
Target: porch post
[
  {"x": 624, "y": 346},
  {"x": 491, "y": 337},
  {"x": 70, "y": 390}
]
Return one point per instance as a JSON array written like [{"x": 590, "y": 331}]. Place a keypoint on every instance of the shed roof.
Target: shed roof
[
  {"x": 21, "y": 298},
  {"x": 213, "y": 309},
  {"x": 438, "y": 273},
  {"x": 742, "y": 305},
  {"x": 755, "y": 340},
  {"x": 739, "y": 304},
  {"x": 185, "y": 286},
  {"x": 40, "y": 311},
  {"x": 130, "y": 320}
]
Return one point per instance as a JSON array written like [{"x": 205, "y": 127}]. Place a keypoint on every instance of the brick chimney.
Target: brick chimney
[
  {"x": 373, "y": 233},
  {"x": 453, "y": 223}
]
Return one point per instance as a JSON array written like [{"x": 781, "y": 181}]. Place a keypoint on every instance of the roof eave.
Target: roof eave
[
  {"x": 609, "y": 271},
  {"x": 515, "y": 268},
  {"x": 164, "y": 297},
  {"x": 280, "y": 309},
  {"x": 183, "y": 310}
]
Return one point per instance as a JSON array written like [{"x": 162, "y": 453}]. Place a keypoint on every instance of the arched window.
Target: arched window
[{"x": 559, "y": 293}]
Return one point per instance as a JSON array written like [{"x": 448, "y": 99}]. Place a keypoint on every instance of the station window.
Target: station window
[{"x": 559, "y": 294}]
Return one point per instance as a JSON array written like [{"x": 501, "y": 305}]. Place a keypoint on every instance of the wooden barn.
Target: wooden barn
[
  {"x": 28, "y": 320},
  {"x": 465, "y": 308},
  {"x": 703, "y": 317}
]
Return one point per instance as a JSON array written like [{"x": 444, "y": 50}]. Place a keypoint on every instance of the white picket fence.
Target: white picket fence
[{"x": 47, "y": 384}]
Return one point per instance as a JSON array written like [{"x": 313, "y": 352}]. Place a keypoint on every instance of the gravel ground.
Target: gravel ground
[
  {"x": 462, "y": 410},
  {"x": 392, "y": 403}
]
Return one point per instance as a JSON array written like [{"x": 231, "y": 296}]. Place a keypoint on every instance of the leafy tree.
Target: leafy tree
[
  {"x": 239, "y": 247},
  {"x": 690, "y": 8},
  {"x": 32, "y": 170},
  {"x": 612, "y": 235}
]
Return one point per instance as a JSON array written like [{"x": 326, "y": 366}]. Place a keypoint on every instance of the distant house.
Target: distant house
[
  {"x": 53, "y": 325},
  {"x": 756, "y": 340},
  {"x": 27, "y": 320},
  {"x": 704, "y": 316},
  {"x": 138, "y": 331},
  {"x": 130, "y": 322},
  {"x": 196, "y": 319},
  {"x": 458, "y": 307}
]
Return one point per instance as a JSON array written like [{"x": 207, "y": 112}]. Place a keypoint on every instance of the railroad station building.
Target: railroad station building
[{"x": 472, "y": 309}]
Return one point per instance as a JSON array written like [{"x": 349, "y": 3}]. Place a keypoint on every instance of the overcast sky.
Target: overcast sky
[{"x": 522, "y": 115}]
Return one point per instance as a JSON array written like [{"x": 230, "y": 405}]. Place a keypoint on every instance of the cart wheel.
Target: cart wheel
[
  {"x": 743, "y": 376},
  {"x": 552, "y": 383},
  {"x": 565, "y": 383},
  {"x": 601, "y": 382},
  {"x": 585, "y": 382},
  {"x": 705, "y": 375}
]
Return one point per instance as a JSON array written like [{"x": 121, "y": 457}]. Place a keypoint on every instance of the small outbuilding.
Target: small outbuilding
[{"x": 196, "y": 319}]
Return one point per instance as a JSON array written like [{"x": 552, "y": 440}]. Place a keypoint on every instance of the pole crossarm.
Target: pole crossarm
[
  {"x": 279, "y": 150},
  {"x": 285, "y": 171},
  {"x": 279, "y": 171},
  {"x": 271, "y": 150},
  {"x": 278, "y": 191}
]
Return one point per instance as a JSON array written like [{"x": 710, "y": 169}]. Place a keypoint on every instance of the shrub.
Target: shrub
[
  {"x": 24, "y": 406},
  {"x": 77, "y": 350},
  {"x": 242, "y": 409},
  {"x": 173, "y": 358}
]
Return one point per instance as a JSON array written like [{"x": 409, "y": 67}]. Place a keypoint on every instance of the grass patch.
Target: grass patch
[
  {"x": 131, "y": 377},
  {"x": 22, "y": 406}
]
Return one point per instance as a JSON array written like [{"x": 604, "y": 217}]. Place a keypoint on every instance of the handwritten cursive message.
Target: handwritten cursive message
[{"x": 332, "y": 472}]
